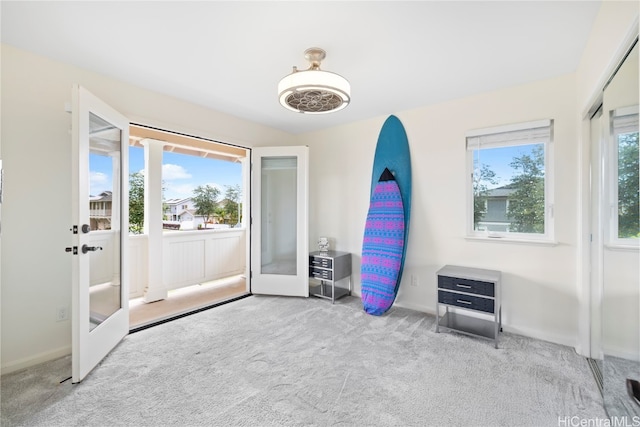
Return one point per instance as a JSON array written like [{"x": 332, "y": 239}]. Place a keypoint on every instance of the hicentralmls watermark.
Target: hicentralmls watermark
[{"x": 576, "y": 421}]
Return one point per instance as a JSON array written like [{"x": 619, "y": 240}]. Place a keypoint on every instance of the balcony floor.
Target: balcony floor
[{"x": 184, "y": 300}]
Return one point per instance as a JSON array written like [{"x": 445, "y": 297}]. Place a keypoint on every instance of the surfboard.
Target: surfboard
[{"x": 387, "y": 227}]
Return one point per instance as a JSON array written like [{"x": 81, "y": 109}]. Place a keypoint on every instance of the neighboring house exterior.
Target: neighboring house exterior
[
  {"x": 181, "y": 214},
  {"x": 175, "y": 208},
  {"x": 496, "y": 208},
  {"x": 100, "y": 211}
]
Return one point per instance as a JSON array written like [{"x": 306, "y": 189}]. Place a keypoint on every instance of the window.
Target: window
[
  {"x": 624, "y": 179},
  {"x": 509, "y": 183}
]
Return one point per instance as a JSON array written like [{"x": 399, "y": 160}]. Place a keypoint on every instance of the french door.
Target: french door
[
  {"x": 279, "y": 230},
  {"x": 100, "y": 227}
]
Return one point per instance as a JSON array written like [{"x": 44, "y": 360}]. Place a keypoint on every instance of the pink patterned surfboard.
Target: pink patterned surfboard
[{"x": 383, "y": 245}]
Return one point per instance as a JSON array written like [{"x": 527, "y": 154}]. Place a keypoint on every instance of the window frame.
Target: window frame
[
  {"x": 612, "y": 179},
  {"x": 549, "y": 229}
]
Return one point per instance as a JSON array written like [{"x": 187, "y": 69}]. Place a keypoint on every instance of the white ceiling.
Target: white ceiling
[{"x": 229, "y": 56}]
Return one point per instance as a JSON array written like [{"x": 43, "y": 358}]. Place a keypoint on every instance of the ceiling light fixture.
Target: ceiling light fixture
[{"x": 314, "y": 91}]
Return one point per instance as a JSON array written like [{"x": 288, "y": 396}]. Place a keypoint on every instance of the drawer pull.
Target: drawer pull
[
  {"x": 463, "y": 286},
  {"x": 464, "y": 302}
]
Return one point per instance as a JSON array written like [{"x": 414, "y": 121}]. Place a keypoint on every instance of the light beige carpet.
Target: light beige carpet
[{"x": 277, "y": 361}]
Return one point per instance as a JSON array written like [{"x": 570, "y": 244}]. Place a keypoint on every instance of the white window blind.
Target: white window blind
[
  {"x": 517, "y": 134},
  {"x": 625, "y": 120}
]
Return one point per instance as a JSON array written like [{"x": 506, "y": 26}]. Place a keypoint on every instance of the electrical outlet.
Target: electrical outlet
[
  {"x": 62, "y": 314},
  {"x": 414, "y": 280}
]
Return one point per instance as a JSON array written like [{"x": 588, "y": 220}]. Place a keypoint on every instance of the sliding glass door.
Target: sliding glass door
[{"x": 616, "y": 238}]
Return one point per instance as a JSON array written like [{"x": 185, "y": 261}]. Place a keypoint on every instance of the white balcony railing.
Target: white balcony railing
[
  {"x": 101, "y": 213},
  {"x": 189, "y": 257}
]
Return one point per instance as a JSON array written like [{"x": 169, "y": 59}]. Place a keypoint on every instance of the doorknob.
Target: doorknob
[
  {"x": 86, "y": 248},
  {"x": 86, "y": 228}
]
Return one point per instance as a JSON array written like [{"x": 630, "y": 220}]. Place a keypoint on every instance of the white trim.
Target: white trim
[
  {"x": 502, "y": 239},
  {"x": 623, "y": 247},
  {"x": 37, "y": 359}
]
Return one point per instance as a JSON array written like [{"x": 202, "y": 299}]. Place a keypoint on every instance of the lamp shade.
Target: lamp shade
[{"x": 314, "y": 91}]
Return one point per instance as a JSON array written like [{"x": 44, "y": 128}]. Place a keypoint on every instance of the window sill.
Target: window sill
[
  {"x": 622, "y": 248},
  {"x": 538, "y": 242}
]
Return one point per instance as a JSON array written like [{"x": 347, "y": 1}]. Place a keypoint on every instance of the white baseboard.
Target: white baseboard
[
  {"x": 416, "y": 307},
  {"x": 621, "y": 352},
  {"x": 35, "y": 360},
  {"x": 568, "y": 341}
]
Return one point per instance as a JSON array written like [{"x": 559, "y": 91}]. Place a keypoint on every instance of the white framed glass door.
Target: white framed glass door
[
  {"x": 615, "y": 264},
  {"x": 279, "y": 209},
  {"x": 100, "y": 218}
]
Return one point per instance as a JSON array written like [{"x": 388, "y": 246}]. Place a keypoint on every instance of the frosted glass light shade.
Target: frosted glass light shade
[{"x": 314, "y": 91}]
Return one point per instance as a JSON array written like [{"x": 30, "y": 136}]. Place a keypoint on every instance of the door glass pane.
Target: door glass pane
[
  {"x": 279, "y": 215},
  {"x": 620, "y": 261},
  {"x": 104, "y": 219},
  {"x": 626, "y": 140}
]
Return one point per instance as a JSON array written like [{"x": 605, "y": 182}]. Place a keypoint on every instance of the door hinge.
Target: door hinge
[
  {"x": 73, "y": 249},
  {"x": 251, "y": 275}
]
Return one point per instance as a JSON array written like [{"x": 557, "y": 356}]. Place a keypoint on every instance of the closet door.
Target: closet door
[{"x": 619, "y": 249}]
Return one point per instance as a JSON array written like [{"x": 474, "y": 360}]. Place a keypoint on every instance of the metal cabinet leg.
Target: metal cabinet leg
[{"x": 333, "y": 292}]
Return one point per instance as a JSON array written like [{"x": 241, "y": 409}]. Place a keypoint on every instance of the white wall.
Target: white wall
[
  {"x": 539, "y": 296},
  {"x": 36, "y": 143}
]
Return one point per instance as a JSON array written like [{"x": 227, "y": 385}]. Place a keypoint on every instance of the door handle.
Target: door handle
[{"x": 86, "y": 248}]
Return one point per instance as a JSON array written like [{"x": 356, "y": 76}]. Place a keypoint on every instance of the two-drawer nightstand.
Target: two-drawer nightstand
[
  {"x": 472, "y": 289},
  {"x": 328, "y": 268}
]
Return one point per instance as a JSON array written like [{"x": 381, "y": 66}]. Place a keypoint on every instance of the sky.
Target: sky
[
  {"x": 499, "y": 159},
  {"x": 181, "y": 173}
]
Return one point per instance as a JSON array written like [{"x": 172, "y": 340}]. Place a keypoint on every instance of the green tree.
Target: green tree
[
  {"x": 628, "y": 186},
  {"x": 481, "y": 180},
  {"x": 136, "y": 202},
  {"x": 205, "y": 199},
  {"x": 232, "y": 203},
  {"x": 220, "y": 215},
  {"x": 526, "y": 204}
]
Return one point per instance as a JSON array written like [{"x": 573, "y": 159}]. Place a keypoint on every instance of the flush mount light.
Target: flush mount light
[{"x": 314, "y": 91}]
